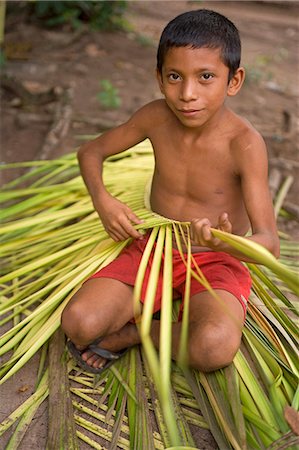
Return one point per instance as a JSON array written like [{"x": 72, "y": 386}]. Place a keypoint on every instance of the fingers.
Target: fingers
[
  {"x": 122, "y": 232},
  {"x": 201, "y": 231},
  {"x": 118, "y": 219},
  {"x": 133, "y": 218},
  {"x": 120, "y": 228},
  {"x": 224, "y": 224},
  {"x": 128, "y": 230}
]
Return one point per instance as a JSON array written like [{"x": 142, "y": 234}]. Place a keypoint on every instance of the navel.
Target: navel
[{"x": 219, "y": 191}]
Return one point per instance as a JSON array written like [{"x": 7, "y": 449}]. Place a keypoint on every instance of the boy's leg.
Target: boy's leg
[
  {"x": 102, "y": 307},
  {"x": 215, "y": 330}
]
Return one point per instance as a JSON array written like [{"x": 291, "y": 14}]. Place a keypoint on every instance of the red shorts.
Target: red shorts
[{"x": 221, "y": 270}]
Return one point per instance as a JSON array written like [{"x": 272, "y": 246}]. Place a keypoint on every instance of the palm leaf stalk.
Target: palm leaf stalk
[
  {"x": 62, "y": 431},
  {"x": 141, "y": 432},
  {"x": 52, "y": 240}
]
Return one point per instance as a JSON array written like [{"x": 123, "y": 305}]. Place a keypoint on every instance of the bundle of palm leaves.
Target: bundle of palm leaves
[{"x": 52, "y": 240}]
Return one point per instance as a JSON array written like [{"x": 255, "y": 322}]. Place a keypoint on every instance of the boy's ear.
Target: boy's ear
[
  {"x": 160, "y": 80},
  {"x": 236, "y": 82}
]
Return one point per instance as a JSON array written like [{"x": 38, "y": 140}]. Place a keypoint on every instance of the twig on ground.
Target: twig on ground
[
  {"x": 102, "y": 123},
  {"x": 60, "y": 126}
]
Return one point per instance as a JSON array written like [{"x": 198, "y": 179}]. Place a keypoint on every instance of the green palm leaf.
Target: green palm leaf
[{"x": 52, "y": 240}]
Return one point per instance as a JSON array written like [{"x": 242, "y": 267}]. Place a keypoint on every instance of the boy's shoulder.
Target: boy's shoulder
[
  {"x": 150, "y": 116},
  {"x": 247, "y": 146},
  {"x": 156, "y": 108},
  {"x": 243, "y": 133}
]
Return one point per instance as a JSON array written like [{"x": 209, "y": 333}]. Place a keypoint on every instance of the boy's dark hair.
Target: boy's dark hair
[{"x": 202, "y": 28}]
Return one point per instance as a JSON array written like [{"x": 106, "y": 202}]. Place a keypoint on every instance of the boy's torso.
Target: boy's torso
[{"x": 196, "y": 174}]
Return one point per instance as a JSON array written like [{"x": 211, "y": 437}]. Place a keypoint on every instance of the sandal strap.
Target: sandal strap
[{"x": 107, "y": 354}]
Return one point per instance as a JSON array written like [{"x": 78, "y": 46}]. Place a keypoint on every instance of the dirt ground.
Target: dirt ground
[{"x": 59, "y": 72}]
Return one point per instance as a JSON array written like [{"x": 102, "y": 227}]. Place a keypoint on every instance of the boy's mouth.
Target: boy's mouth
[{"x": 190, "y": 112}]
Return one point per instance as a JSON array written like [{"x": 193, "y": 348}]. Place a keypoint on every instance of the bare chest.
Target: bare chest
[{"x": 196, "y": 172}]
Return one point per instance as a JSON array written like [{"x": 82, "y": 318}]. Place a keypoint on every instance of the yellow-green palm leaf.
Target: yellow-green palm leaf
[{"x": 52, "y": 240}]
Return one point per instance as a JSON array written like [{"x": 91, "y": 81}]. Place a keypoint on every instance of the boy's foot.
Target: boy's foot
[
  {"x": 99, "y": 355},
  {"x": 107, "y": 357}
]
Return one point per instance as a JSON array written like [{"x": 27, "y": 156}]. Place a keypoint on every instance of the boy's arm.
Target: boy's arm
[
  {"x": 252, "y": 166},
  {"x": 117, "y": 217}
]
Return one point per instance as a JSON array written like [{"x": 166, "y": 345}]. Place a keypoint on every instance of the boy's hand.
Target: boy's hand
[
  {"x": 117, "y": 219},
  {"x": 201, "y": 231}
]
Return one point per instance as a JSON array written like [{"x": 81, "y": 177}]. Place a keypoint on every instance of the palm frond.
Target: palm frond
[{"x": 52, "y": 240}]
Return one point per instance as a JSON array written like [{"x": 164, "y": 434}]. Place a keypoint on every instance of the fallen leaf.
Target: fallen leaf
[{"x": 24, "y": 388}]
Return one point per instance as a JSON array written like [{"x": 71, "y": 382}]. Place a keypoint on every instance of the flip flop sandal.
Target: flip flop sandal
[{"x": 111, "y": 357}]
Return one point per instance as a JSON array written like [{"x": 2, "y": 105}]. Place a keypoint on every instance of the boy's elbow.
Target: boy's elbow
[
  {"x": 90, "y": 151},
  {"x": 82, "y": 151}
]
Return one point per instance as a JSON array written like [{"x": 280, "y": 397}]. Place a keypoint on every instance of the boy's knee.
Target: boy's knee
[
  {"x": 213, "y": 347},
  {"x": 78, "y": 324}
]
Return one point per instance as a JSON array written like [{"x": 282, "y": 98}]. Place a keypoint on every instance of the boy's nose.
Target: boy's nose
[{"x": 188, "y": 91}]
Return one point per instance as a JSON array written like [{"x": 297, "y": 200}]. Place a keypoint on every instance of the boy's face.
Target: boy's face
[{"x": 195, "y": 83}]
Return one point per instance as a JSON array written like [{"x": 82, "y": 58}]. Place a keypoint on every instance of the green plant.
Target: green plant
[
  {"x": 108, "y": 96},
  {"x": 98, "y": 14},
  {"x": 2, "y": 21}
]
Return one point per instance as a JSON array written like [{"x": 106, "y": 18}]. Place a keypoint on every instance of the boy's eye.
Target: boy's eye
[
  {"x": 173, "y": 77},
  {"x": 207, "y": 76}
]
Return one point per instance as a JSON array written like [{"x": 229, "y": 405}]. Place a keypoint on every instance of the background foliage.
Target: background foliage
[{"x": 98, "y": 14}]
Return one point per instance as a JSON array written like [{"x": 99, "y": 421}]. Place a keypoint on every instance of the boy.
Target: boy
[{"x": 221, "y": 164}]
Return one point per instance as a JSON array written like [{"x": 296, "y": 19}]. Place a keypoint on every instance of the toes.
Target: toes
[
  {"x": 93, "y": 360},
  {"x": 96, "y": 362},
  {"x": 99, "y": 363},
  {"x": 86, "y": 355}
]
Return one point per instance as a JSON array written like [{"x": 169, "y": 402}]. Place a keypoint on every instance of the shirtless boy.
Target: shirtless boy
[{"x": 210, "y": 169}]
